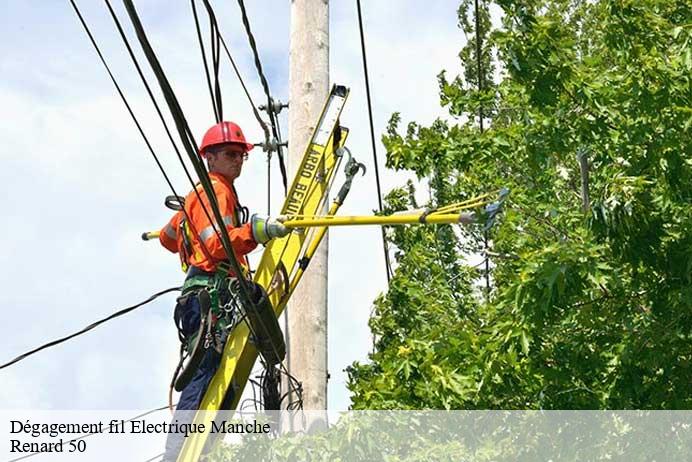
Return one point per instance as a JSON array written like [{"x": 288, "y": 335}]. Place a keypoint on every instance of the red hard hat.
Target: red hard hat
[{"x": 224, "y": 133}]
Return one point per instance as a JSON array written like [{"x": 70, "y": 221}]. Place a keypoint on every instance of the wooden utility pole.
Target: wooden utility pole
[{"x": 308, "y": 90}]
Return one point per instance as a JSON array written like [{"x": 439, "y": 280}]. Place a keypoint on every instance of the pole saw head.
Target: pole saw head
[{"x": 491, "y": 210}]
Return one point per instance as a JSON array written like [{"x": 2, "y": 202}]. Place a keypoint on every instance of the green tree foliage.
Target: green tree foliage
[
  {"x": 479, "y": 436},
  {"x": 590, "y": 302}
]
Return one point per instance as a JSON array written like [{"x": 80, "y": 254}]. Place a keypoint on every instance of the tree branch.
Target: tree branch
[{"x": 582, "y": 157}]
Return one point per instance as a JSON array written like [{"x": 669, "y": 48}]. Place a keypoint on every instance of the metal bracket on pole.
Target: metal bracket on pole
[
  {"x": 271, "y": 145},
  {"x": 275, "y": 107}
]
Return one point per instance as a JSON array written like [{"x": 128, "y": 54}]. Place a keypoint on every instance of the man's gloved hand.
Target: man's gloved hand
[{"x": 264, "y": 229}]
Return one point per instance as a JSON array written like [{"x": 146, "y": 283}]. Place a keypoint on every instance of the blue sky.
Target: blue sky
[{"x": 79, "y": 186}]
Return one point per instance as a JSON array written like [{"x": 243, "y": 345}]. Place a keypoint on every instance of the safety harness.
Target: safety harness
[
  {"x": 217, "y": 297},
  {"x": 221, "y": 308},
  {"x": 219, "y": 312}
]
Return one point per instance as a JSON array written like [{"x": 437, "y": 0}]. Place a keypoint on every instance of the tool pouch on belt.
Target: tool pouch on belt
[
  {"x": 202, "y": 319},
  {"x": 194, "y": 343},
  {"x": 269, "y": 339},
  {"x": 215, "y": 287}
]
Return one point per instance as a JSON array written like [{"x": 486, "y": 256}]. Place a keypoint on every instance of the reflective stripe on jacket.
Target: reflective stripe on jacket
[{"x": 171, "y": 235}]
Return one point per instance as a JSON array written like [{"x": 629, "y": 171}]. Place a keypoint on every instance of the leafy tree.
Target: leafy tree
[{"x": 590, "y": 300}]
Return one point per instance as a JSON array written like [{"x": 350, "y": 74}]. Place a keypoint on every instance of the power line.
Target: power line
[
  {"x": 480, "y": 122},
  {"x": 183, "y": 129},
  {"x": 215, "y": 93},
  {"x": 92, "y": 434},
  {"x": 156, "y": 457},
  {"x": 191, "y": 148},
  {"x": 219, "y": 35},
  {"x": 262, "y": 123},
  {"x": 216, "y": 38},
  {"x": 88, "y": 328},
  {"x": 131, "y": 112},
  {"x": 184, "y": 132},
  {"x": 118, "y": 25},
  {"x": 129, "y": 108},
  {"x": 253, "y": 46},
  {"x": 372, "y": 140},
  {"x": 265, "y": 86},
  {"x": 188, "y": 141}
]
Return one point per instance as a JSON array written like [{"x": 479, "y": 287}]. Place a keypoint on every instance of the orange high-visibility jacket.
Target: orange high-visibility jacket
[{"x": 206, "y": 257}]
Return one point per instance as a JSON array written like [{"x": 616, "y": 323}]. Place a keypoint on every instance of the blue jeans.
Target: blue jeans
[{"x": 192, "y": 394}]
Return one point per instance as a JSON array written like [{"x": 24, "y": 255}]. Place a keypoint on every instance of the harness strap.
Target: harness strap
[{"x": 195, "y": 282}]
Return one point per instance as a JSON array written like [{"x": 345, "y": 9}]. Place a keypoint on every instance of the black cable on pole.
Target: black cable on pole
[
  {"x": 193, "y": 184},
  {"x": 156, "y": 457},
  {"x": 480, "y": 122},
  {"x": 212, "y": 197},
  {"x": 87, "y": 328},
  {"x": 216, "y": 39},
  {"x": 279, "y": 142},
  {"x": 262, "y": 123},
  {"x": 279, "y": 150},
  {"x": 131, "y": 112},
  {"x": 265, "y": 86},
  {"x": 372, "y": 139},
  {"x": 269, "y": 156},
  {"x": 172, "y": 101},
  {"x": 215, "y": 55},
  {"x": 253, "y": 46},
  {"x": 86, "y": 435},
  {"x": 215, "y": 98},
  {"x": 127, "y": 104},
  {"x": 192, "y": 150},
  {"x": 188, "y": 141}
]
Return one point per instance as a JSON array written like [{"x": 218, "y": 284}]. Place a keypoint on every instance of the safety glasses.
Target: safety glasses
[{"x": 233, "y": 154}]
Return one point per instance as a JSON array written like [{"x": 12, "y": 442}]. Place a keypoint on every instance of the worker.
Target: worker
[{"x": 195, "y": 238}]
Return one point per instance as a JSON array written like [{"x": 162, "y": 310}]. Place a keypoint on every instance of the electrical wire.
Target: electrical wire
[
  {"x": 181, "y": 123},
  {"x": 216, "y": 101},
  {"x": 118, "y": 25},
  {"x": 480, "y": 122},
  {"x": 187, "y": 139},
  {"x": 192, "y": 150},
  {"x": 156, "y": 457},
  {"x": 216, "y": 38},
  {"x": 214, "y": 93},
  {"x": 255, "y": 111},
  {"x": 388, "y": 264},
  {"x": 259, "y": 386},
  {"x": 193, "y": 156},
  {"x": 253, "y": 46},
  {"x": 265, "y": 86},
  {"x": 88, "y": 328},
  {"x": 86, "y": 435}
]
